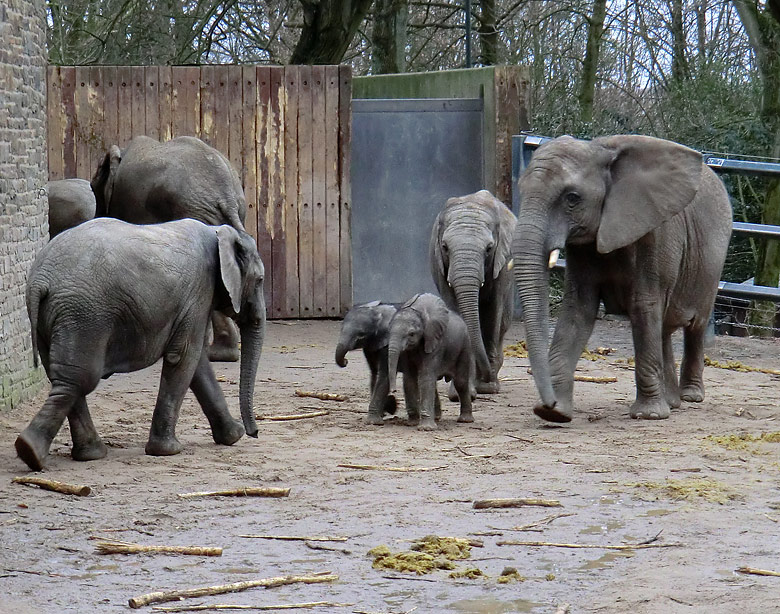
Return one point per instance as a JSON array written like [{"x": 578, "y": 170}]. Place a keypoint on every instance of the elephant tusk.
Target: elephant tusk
[
  {"x": 510, "y": 265},
  {"x": 553, "y": 258}
]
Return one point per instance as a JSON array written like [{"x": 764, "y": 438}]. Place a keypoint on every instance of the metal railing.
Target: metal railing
[{"x": 523, "y": 146}]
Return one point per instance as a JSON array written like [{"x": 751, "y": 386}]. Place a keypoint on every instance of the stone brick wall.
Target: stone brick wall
[{"x": 23, "y": 174}]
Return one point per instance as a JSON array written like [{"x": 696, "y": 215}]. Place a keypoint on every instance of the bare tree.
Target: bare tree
[
  {"x": 328, "y": 29},
  {"x": 389, "y": 38}
]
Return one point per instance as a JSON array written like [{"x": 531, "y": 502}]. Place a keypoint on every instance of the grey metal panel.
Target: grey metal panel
[{"x": 408, "y": 158}]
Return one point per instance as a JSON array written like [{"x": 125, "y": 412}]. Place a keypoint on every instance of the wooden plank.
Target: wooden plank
[
  {"x": 139, "y": 100},
  {"x": 152, "y": 102},
  {"x": 249, "y": 152},
  {"x": 292, "y": 283},
  {"x": 264, "y": 244},
  {"x": 164, "y": 102},
  {"x": 207, "y": 104},
  {"x": 234, "y": 121},
  {"x": 305, "y": 218},
  {"x": 110, "y": 110},
  {"x": 82, "y": 122},
  {"x": 68, "y": 80},
  {"x": 55, "y": 127},
  {"x": 185, "y": 104},
  {"x": 275, "y": 153},
  {"x": 318, "y": 192},
  {"x": 124, "y": 105},
  {"x": 96, "y": 97},
  {"x": 345, "y": 136},
  {"x": 221, "y": 130},
  {"x": 332, "y": 194}
]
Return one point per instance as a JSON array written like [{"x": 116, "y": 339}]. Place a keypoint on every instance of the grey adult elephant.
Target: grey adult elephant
[
  {"x": 646, "y": 226},
  {"x": 71, "y": 202},
  {"x": 111, "y": 297},
  {"x": 151, "y": 182},
  {"x": 470, "y": 253}
]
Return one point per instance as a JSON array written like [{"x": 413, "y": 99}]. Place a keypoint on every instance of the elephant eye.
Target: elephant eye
[{"x": 573, "y": 198}]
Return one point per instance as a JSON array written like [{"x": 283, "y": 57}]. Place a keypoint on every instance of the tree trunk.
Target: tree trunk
[
  {"x": 328, "y": 29},
  {"x": 679, "y": 61},
  {"x": 488, "y": 33},
  {"x": 591, "y": 62},
  {"x": 763, "y": 31},
  {"x": 388, "y": 37}
]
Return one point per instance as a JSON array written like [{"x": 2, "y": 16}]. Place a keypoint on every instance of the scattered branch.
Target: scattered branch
[
  {"x": 313, "y": 414},
  {"x": 175, "y": 595},
  {"x": 239, "y": 492},
  {"x": 482, "y": 504},
  {"x": 117, "y": 547},
  {"x": 608, "y": 379},
  {"x": 758, "y": 572},
  {"x": 651, "y": 543},
  {"x": 386, "y": 468},
  {"x": 287, "y": 606},
  {"x": 302, "y": 538},
  {"x": 534, "y": 525},
  {"x": 322, "y": 396},
  {"x": 61, "y": 487}
]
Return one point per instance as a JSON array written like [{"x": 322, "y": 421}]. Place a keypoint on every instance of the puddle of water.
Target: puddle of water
[
  {"x": 659, "y": 512},
  {"x": 600, "y": 529},
  {"x": 492, "y": 606},
  {"x": 604, "y": 561}
]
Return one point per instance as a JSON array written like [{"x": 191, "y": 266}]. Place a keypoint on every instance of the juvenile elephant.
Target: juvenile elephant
[
  {"x": 111, "y": 297},
  {"x": 433, "y": 342},
  {"x": 471, "y": 262},
  {"x": 71, "y": 202},
  {"x": 646, "y": 226},
  {"x": 151, "y": 182}
]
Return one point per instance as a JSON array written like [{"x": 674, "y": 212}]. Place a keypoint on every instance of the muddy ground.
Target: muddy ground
[{"x": 618, "y": 480}]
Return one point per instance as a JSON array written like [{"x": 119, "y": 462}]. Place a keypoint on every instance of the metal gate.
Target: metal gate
[{"x": 408, "y": 158}]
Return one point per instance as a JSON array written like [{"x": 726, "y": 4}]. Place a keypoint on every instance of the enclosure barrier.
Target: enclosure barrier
[{"x": 523, "y": 146}]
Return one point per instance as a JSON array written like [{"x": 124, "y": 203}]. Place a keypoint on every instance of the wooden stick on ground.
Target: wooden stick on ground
[
  {"x": 758, "y": 572},
  {"x": 482, "y": 504},
  {"x": 639, "y": 546},
  {"x": 117, "y": 547},
  {"x": 67, "y": 489},
  {"x": 386, "y": 468},
  {"x": 607, "y": 379},
  {"x": 175, "y": 595},
  {"x": 322, "y": 396},
  {"x": 302, "y": 538},
  {"x": 239, "y": 492},
  {"x": 286, "y": 606},
  {"x": 534, "y": 525},
  {"x": 313, "y": 414}
]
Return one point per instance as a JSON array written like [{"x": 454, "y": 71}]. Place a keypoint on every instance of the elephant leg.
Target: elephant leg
[
  {"x": 671, "y": 388},
  {"x": 462, "y": 381},
  {"x": 575, "y": 324},
  {"x": 176, "y": 377},
  {"x": 224, "y": 348},
  {"x": 427, "y": 389},
  {"x": 646, "y": 329},
  {"x": 224, "y": 428},
  {"x": 437, "y": 406},
  {"x": 33, "y": 443},
  {"x": 692, "y": 368},
  {"x": 412, "y": 396},
  {"x": 87, "y": 444},
  {"x": 452, "y": 393}
]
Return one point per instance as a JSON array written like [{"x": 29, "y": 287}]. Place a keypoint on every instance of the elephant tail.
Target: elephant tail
[{"x": 35, "y": 294}]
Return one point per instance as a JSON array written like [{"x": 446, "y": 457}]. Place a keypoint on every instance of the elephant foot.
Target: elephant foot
[
  {"x": 466, "y": 416},
  {"x": 223, "y": 353},
  {"x": 229, "y": 434},
  {"x": 488, "y": 387},
  {"x": 391, "y": 405},
  {"x": 87, "y": 451},
  {"x": 452, "y": 394},
  {"x": 672, "y": 400},
  {"x": 32, "y": 449},
  {"x": 374, "y": 419},
  {"x": 163, "y": 446},
  {"x": 650, "y": 409},
  {"x": 692, "y": 393},
  {"x": 556, "y": 413},
  {"x": 427, "y": 424}
]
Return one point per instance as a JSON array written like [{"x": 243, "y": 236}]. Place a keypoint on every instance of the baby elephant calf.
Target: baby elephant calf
[{"x": 433, "y": 343}]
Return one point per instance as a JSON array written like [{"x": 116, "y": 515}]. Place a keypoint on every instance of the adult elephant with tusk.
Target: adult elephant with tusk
[
  {"x": 646, "y": 226},
  {"x": 471, "y": 262},
  {"x": 111, "y": 297}
]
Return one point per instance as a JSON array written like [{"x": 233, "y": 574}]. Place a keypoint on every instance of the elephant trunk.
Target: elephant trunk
[
  {"x": 251, "y": 347},
  {"x": 466, "y": 287},
  {"x": 532, "y": 280},
  {"x": 393, "y": 354},
  {"x": 341, "y": 353}
]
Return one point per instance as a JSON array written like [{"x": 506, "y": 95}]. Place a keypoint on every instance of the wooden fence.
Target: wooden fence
[{"x": 287, "y": 129}]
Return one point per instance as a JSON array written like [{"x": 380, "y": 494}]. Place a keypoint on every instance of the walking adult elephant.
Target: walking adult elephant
[
  {"x": 71, "y": 202},
  {"x": 646, "y": 226},
  {"x": 151, "y": 182},
  {"x": 470, "y": 252}
]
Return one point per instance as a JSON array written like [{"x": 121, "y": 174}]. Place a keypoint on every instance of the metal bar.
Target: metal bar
[
  {"x": 759, "y": 230},
  {"x": 415, "y": 105},
  {"x": 763, "y": 293},
  {"x": 742, "y": 167}
]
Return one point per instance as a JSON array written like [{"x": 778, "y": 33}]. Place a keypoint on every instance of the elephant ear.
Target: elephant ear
[
  {"x": 435, "y": 320},
  {"x": 505, "y": 231},
  {"x": 434, "y": 248},
  {"x": 651, "y": 181},
  {"x": 230, "y": 271}
]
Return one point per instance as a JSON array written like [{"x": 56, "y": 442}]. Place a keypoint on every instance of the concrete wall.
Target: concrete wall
[
  {"x": 504, "y": 90},
  {"x": 23, "y": 205}
]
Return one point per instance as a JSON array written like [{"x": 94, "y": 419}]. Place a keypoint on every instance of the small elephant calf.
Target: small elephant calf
[{"x": 432, "y": 342}]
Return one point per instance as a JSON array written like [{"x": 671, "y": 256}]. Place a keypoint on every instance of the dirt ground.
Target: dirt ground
[{"x": 618, "y": 481}]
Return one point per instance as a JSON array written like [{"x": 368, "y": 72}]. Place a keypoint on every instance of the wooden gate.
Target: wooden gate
[{"x": 286, "y": 128}]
